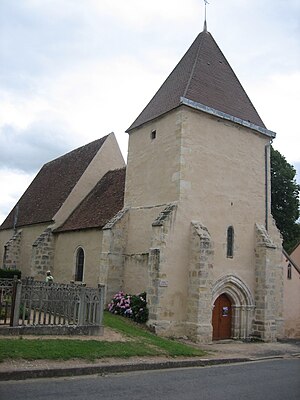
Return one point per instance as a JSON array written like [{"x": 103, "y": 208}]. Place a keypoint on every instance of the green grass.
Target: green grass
[
  {"x": 140, "y": 342},
  {"x": 170, "y": 347}
]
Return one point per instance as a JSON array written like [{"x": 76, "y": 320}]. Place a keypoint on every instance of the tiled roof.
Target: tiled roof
[
  {"x": 204, "y": 76},
  {"x": 100, "y": 205},
  {"x": 51, "y": 186}
]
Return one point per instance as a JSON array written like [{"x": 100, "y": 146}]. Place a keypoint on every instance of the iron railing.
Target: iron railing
[{"x": 33, "y": 303}]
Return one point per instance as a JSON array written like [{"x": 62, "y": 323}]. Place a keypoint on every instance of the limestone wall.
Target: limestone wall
[
  {"x": 29, "y": 236},
  {"x": 269, "y": 287},
  {"x": 152, "y": 175},
  {"x": 5, "y": 236},
  {"x": 111, "y": 267},
  {"x": 66, "y": 246},
  {"x": 215, "y": 168},
  {"x": 291, "y": 297},
  {"x": 42, "y": 255},
  {"x": 199, "y": 301},
  {"x": 214, "y": 172},
  {"x": 12, "y": 250},
  {"x": 136, "y": 274},
  {"x": 140, "y": 228},
  {"x": 168, "y": 269},
  {"x": 223, "y": 184}
]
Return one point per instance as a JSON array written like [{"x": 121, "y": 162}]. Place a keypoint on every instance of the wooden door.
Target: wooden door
[{"x": 221, "y": 318}]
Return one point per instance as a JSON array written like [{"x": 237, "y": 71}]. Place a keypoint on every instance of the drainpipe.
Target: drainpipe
[{"x": 267, "y": 163}]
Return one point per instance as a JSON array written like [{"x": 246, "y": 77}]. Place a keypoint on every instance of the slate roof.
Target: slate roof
[
  {"x": 204, "y": 76},
  {"x": 51, "y": 187},
  {"x": 104, "y": 201}
]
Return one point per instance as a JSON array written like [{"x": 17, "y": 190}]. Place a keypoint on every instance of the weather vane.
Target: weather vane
[{"x": 205, "y": 24}]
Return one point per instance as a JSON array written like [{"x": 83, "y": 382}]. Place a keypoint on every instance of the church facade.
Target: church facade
[{"x": 187, "y": 220}]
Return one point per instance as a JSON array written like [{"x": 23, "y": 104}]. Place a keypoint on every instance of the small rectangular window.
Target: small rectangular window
[{"x": 153, "y": 134}]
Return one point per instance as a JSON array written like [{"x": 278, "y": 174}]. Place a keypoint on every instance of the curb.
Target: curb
[{"x": 110, "y": 369}]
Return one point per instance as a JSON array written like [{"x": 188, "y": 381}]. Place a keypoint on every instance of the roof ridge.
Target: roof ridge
[
  {"x": 194, "y": 66},
  {"x": 263, "y": 125},
  {"x": 77, "y": 148}
]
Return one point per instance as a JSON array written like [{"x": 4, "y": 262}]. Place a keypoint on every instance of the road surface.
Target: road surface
[{"x": 265, "y": 380}]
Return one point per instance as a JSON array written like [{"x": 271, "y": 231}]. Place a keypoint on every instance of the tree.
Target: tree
[{"x": 285, "y": 199}]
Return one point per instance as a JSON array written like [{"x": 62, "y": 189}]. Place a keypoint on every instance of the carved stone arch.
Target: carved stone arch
[
  {"x": 242, "y": 304},
  {"x": 235, "y": 288}
]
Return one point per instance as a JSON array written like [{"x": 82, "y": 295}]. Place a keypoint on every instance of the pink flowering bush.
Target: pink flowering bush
[{"x": 131, "y": 306}]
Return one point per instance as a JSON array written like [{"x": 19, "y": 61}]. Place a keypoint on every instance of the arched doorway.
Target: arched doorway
[
  {"x": 241, "y": 303},
  {"x": 222, "y": 318}
]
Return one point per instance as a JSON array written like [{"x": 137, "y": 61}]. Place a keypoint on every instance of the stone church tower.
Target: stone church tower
[
  {"x": 196, "y": 230},
  {"x": 192, "y": 227}
]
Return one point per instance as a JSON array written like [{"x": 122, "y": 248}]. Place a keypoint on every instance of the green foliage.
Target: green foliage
[
  {"x": 9, "y": 273},
  {"x": 285, "y": 199},
  {"x": 140, "y": 312},
  {"x": 130, "y": 306}
]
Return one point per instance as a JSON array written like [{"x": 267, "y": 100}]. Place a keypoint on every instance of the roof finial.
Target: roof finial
[{"x": 205, "y": 23}]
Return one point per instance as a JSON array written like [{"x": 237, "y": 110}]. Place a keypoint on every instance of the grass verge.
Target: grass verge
[{"x": 141, "y": 343}]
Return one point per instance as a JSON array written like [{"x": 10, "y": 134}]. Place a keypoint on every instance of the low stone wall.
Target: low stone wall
[{"x": 86, "y": 330}]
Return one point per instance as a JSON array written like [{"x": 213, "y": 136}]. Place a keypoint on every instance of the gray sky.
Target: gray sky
[{"x": 71, "y": 71}]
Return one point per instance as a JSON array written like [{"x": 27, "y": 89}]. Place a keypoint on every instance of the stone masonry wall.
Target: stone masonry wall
[
  {"x": 157, "y": 290},
  {"x": 268, "y": 292},
  {"x": 43, "y": 255},
  {"x": 111, "y": 270},
  {"x": 11, "y": 259},
  {"x": 135, "y": 273},
  {"x": 199, "y": 309}
]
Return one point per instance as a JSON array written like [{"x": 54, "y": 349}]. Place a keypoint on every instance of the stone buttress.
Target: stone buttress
[{"x": 268, "y": 323}]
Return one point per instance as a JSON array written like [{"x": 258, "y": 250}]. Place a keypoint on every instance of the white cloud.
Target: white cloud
[
  {"x": 279, "y": 97},
  {"x": 74, "y": 71},
  {"x": 27, "y": 150},
  {"x": 141, "y": 13},
  {"x": 20, "y": 109},
  {"x": 13, "y": 184}
]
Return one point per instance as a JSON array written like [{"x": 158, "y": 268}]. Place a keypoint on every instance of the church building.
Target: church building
[{"x": 187, "y": 219}]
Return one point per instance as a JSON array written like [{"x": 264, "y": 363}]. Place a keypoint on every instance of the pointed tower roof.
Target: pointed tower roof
[{"x": 204, "y": 80}]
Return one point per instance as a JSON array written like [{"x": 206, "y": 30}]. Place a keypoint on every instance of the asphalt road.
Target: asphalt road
[{"x": 274, "y": 380}]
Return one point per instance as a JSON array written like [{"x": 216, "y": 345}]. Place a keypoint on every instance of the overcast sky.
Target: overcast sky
[{"x": 72, "y": 71}]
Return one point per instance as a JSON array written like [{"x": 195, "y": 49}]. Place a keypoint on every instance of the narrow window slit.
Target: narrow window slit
[{"x": 230, "y": 240}]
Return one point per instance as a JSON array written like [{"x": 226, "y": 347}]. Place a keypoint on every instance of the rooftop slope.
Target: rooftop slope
[
  {"x": 51, "y": 186},
  {"x": 204, "y": 76},
  {"x": 100, "y": 205}
]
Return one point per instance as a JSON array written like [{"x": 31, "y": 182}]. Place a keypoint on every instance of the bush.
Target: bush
[
  {"x": 9, "y": 273},
  {"x": 130, "y": 306}
]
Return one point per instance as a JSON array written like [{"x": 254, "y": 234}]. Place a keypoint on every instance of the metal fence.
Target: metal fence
[
  {"x": 7, "y": 300},
  {"x": 29, "y": 303}
]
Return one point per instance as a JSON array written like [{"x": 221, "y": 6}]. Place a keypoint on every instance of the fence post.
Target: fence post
[
  {"x": 16, "y": 303},
  {"x": 99, "y": 317},
  {"x": 82, "y": 307}
]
